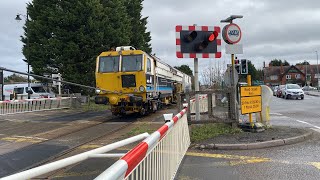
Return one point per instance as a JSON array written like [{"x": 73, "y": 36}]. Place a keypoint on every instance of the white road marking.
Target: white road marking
[
  {"x": 308, "y": 124},
  {"x": 318, "y": 130},
  {"x": 277, "y": 114}
]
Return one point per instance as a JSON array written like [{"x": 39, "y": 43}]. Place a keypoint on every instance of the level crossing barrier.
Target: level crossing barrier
[
  {"x": 30, "y": 105},
  {"x": 157, "y": 157}
]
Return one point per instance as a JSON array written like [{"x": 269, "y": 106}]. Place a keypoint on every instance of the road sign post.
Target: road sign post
[
  {"x": 251, "y": 101},
  {"x": 231, "y": 35}
]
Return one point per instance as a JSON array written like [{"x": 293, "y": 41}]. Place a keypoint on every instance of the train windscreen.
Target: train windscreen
[
  {"x": 131, "y": 63},
  {"x": 109, "y": 64}
]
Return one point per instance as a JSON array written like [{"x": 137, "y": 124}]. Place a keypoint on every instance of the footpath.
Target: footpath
[
  {"x": 312, "y": 93},
  {"x": 271, "y": 137}
]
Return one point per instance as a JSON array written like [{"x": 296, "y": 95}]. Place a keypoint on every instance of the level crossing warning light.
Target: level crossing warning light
[{"x": 198, "y": 41}]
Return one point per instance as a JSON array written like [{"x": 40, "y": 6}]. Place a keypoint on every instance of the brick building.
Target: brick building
[{"x": 277, "y": 75}]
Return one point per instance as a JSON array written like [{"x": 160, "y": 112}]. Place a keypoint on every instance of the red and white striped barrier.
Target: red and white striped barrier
[{"x": 158, "y": 156}]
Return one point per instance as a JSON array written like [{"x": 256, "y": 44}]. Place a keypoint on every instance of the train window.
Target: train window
[
  {"x": 109, "y": 64},
  {"x": 131, "y": 63},
  {"x": 148, "y": 65}
]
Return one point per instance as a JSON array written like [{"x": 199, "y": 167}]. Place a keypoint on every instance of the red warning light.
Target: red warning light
[{"x": 213, "y": 36}]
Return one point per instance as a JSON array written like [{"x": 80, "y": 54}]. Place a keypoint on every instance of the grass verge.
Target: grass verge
[
  {"x": 142, "y": 128},
  {"x": 92, "y": 106},
  {"x": 207, "y": 131}
]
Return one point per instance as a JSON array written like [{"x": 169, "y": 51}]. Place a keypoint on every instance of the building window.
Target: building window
[
  {"x": 288, "y": 76},
  {"x": 274, "y": 77},
  {"x": 298, "y": 76}
]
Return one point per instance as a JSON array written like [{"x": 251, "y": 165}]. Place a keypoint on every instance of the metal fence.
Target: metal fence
[
  {"x": 157, "y": 157},
  {"x": 214, "y": 106},
  {"x": 30, "y": 105}
]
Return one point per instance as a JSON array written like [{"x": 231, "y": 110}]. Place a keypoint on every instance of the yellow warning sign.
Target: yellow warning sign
[
  {"x": 250, "y": 91},
  {"x": 250, "y": 104}
]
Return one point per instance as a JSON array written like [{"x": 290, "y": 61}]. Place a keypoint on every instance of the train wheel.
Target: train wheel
[{"x": 142, "y": 112}]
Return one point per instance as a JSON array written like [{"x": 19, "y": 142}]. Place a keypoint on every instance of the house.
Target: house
[{"x": 277, "y": 75}]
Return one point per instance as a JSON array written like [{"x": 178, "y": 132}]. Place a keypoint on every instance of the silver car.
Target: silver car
[{"x": 292, "y": 91}]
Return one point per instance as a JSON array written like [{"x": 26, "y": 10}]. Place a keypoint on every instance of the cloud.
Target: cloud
[{"x": 286, "y": 29}]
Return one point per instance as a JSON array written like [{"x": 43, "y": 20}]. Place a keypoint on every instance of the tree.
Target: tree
[
  {"x": 255, "y": 74},
  {"x": 118, "y": 24},
  {"x": 279, "y": 62},
  {"x": 139, "y": 38},
  {"x": 14, "y": 78},
  {"x": 65, "y": 37},
  {"x": 303, "y": 63},
  {"x": 213, "y": 76},
  {"x": 185, "y": 69}
]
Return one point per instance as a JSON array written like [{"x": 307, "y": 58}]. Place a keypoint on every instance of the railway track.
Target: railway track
[{"x": 67, "y": 142}]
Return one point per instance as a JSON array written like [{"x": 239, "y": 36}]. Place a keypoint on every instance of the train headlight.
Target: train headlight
[
  {"x": 141, "y": 88},
  {"x": 98, "y": 91}
]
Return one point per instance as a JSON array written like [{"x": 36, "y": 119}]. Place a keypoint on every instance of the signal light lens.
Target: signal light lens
[
  {"x": 191, "y": 36},
  {"x": 213, "y": 36}
]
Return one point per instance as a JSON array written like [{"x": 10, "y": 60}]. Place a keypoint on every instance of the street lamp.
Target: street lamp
[{"x": 18, "y": 18}]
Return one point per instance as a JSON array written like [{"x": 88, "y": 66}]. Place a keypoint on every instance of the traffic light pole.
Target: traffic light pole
[
  {"x": 196, "y": 88},
  {"x": 234, "y": 91}
]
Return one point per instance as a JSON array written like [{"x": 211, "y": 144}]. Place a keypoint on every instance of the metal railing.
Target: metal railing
[
  {"x": 30, "y": 105},
  {"x": 95, "y": 153},
  {"x": 157, "y": 157},
  {"x": 214, "y": 106}
]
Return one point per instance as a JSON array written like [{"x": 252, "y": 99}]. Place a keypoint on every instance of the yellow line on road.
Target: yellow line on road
[
  {"x": 315, "y": 164},
  {"x": 236, "y": 160},
  {"x": 23, "y": 139},
  {"x": 77, "y": 174}
]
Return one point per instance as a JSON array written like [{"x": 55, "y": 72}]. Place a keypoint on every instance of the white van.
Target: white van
[{"x": 20, "y": 91}]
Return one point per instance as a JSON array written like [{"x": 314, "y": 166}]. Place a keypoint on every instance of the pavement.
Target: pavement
[
  {"x": 271, "y": 137},
  {"x": 312, "y": 93}
]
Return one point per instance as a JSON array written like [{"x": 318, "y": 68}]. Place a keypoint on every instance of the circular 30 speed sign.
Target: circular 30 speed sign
[{"x": 231, "y": 33}]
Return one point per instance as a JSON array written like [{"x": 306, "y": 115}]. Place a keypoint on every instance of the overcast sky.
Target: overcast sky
[{"x": 283, "y": 29}]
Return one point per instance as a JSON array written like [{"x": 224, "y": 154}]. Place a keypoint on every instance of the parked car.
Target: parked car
[
  {"x": 275, "y": 89},
  {"x": 279, "y": 90},
  {"x": 292, "y": 91},
  {"x": 309, "y": 88}
]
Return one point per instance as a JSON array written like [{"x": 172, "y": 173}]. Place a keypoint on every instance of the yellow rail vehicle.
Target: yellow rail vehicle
[{"x": 132, "y": 80}]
